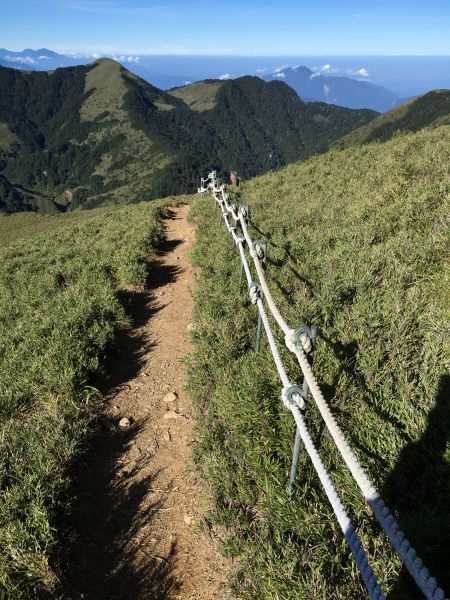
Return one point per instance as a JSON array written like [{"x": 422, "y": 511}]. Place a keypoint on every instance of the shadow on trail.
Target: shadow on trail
[
  {"x": 105, "y": 560},
  {"x": 418, "y": 490},
  {"x": 111, "y": 509}
]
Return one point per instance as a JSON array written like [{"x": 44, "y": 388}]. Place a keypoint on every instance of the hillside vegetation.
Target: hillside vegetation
[
  {"x": 96, "y": 134},
  {"x": 200, "y": 95},
  {"x": 358, "y": 244},
  {"x": 61, "y": 305},
  {"x": 432, "y": 109}
]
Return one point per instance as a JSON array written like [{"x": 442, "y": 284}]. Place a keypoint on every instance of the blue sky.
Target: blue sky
[{"x": 239, "y": 27}]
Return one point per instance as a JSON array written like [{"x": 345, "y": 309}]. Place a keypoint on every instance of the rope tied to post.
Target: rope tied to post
[
  {"x": 301, "y": 336},
  {"x": 293, "y": 395},
  {"x": 255, "y": 292}
]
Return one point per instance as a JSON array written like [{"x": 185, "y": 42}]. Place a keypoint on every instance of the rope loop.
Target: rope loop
[
  {"x": 255, "y": 292},
  {"x": 259, "y": 250},
  {"x": 299, "y": 338},
  {"x": 244, "y": 212},
  {"x": 293, "y": 395}
]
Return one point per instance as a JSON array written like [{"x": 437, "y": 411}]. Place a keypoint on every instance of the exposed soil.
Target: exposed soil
[{"x": 140, "y": 504}]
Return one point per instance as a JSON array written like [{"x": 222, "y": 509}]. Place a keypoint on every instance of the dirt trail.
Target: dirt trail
[{"x": 139, "y": 501}]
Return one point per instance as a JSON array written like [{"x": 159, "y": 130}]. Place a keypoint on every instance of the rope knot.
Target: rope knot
[
  {"x": 259, "y": 251},
  {"x": 299, "y": 338},
  {"x": 244, "y": 211},
  {"x": 255, "y": 292},
  {"x": 307, "y": 344},
  {"x": 293, "y": 395}
]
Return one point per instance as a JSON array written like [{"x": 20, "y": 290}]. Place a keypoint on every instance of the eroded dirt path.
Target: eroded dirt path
[{"x": 139, "y": 501}]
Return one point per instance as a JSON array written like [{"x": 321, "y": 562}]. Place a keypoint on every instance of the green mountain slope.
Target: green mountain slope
[
  {"x": 432, "y": 109},
  {"x": 269, "y": 122},
  {"x": 199, "y": 96},
  {"x": 358, "y": 244},
  {"x": 94, "y": 134},
  {"x": 75, "y": 142}
]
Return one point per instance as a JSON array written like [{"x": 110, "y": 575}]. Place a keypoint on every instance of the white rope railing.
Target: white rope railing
[
  {"x": 298, "y": 344},
  {"x": 293, "y": 401}
]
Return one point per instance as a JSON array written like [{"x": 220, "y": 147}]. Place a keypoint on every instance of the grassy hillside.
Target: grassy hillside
[
  {"x": 96, "y": 134},
  {"x": 75, "y": 143},
  {"x": 7, "y": 138},
  {"x": 432, "y": 109},
  {"x": 200, "y": 95},
  {"x": 358, "y": 244},
  {"x": 61, "y": 304}
]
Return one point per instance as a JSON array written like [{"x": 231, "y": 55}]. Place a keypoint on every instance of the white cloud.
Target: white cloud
[
  {"x": 225, "y": 76},
  {"x": 326, "y": 90},
  {"x": 24, "y": 60},
  {"x": 124, "y": 59},
  {"x": 43, "y": 57},
  {"x": 261, "y": 71},
  {"x": 186, "y": 82},
  {"x": 323, "y": 70},
  {"x": 362, "y": 72},
  {"x": 76, "y": 54},
  {"x": 280, "y": 69},
  {"x": 280, "y": 75}
]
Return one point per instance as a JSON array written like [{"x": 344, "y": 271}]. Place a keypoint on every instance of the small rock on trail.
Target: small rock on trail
[
  {"x": 173, "y": 414},
  {"x": 171, "y": 397}
]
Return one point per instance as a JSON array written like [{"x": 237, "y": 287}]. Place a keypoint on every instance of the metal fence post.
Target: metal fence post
[
  {"x": 260, "y": 249},
  {"x": 294, "y": 463},
  {"x": 258, "y": 331},
  {"x": 312, "y": 332}
]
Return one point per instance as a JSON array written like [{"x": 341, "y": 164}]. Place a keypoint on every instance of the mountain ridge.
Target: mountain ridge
[
  {"x": 98, "y": 134},
  {"x": 429, "y": 110},
  {"x": 352, "y": 91}
]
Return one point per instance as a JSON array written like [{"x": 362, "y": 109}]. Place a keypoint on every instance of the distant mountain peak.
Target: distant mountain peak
[{"x": 322, "y": 85}]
